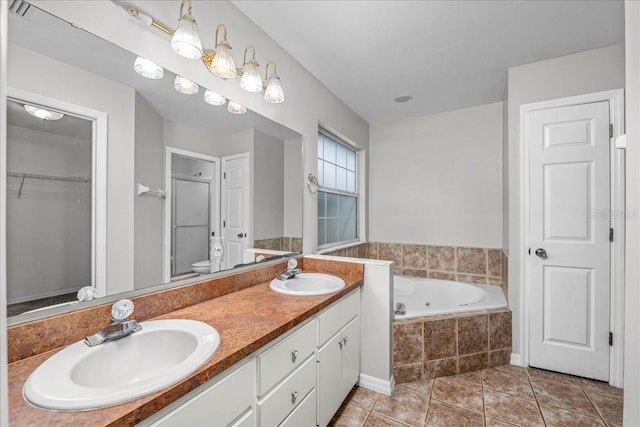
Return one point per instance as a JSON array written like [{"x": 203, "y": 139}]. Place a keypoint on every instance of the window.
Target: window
[{"x": 337, "y": 193}]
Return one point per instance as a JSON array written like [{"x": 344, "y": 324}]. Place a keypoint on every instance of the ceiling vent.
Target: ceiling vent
[{"x": 19, "y": 7}]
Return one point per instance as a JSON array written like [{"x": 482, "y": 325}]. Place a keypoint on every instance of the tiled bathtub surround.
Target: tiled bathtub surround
[
  {"x": 447, "y": 345},
  {"x": 462, "y": 264},
  {"x": 288, "y": 244}
]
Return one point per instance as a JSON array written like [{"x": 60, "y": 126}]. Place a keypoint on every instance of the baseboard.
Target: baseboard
[
  {"x": 516, "y": 359},
  {"x": 377, "y": 384}
]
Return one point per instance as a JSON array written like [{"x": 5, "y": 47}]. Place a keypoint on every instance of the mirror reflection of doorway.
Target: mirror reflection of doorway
[
  {"x": 193, "y": 210},
  {"x": 49, "y": 206}
]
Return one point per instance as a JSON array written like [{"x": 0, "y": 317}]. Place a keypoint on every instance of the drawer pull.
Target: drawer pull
[
  {"x": 294, "y": 397},
  {"x": 294, "y": 355}
]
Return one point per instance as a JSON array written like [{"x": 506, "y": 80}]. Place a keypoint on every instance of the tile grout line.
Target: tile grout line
[{"x": 594, "y": 405}]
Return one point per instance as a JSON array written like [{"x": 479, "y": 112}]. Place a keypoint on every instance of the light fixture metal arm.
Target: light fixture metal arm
[
  {"x": 188, "y": 2},
  {"x": 147, "y": 19},
  {"x": 266, "y": 69}
]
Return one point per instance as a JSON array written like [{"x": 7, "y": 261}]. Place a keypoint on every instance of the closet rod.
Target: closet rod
[{"x": 48, "y": 177}]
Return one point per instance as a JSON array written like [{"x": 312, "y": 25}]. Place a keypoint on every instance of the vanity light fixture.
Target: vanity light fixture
[
  {"x": 250, "y": 72},
  {"x": 43, "y": 113},
  {"x": 219, "y": 61},
  {"x": 148, "y": 69},
  {"x": 273, "y": 92},
  {"x": 235, "y": 108},
  {"x": 214, "y": 98},
  {"x": 185, "y": 41},
  {"x": 182, "y": 85}
]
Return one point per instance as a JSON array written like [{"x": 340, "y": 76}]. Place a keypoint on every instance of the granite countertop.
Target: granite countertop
[{"x": 246, "y": 320}]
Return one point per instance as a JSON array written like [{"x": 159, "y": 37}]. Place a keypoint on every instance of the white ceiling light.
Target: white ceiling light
[
  {"x": 273, "y": 92},
  {"x": 42, "y": 113},
  {"x": 250, "y": 72},
  {"x": 185, "y": 41},
  {"x": 214, "y": 98},
  {"x": 182, "y": 85},
  {"x": 148, "y": 69},
  {"x": 235, "y": 108}
]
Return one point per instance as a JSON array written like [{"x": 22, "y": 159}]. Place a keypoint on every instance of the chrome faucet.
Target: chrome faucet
[
  {"x": 291, "y": 270},
  {"x": 119, "y": 327}
]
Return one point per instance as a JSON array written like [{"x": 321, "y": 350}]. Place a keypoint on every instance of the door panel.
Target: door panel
[
  {"x": 236, "y": 207},
  {"x": 570, "y": 286},
  {"x": 568, "y": 192}
]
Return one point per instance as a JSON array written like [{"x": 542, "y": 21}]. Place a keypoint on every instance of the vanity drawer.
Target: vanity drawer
[
  {"x": 334, "y": 319},
  {"x": 284, "y": 357},
  {"x": 290, "y": 393},
  {"x": 304, "y": 414},
  {"x": 220, "y": 404}
]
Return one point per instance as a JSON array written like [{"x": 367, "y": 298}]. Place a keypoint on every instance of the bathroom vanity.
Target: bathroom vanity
[
  {"x": 298, "y": 380},
  {"x": 282, "y": 358}
]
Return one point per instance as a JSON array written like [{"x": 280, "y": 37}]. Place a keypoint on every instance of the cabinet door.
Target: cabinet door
[
  {"x": 350, "y": 356},
  {"x": 329, "y": 382},
  {"x": 216, "y": 404}
]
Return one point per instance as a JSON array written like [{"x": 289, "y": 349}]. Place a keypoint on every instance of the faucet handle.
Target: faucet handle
[
  {"x": 122, "y": 309},
  {"x": 292, "y": 264}
]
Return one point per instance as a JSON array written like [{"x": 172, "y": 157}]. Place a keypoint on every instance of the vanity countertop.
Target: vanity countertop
[{"x": 246, "y": 320}]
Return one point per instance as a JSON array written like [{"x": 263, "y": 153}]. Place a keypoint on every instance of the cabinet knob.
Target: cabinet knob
[
  {"x": 294, "y": 397},
  {"x": 294, "y": 355},
  {"x": 345, "y": 340},
  {"x": 341, "y": 343}
]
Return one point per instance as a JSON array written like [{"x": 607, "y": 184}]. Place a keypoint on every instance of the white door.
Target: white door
[
  {"x": 570, "y": 248},
  {"x": 236, "y": 207}
]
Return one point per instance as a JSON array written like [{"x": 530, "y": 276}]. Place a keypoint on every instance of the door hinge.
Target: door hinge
[
  {"x": 611, "y": 234},
  {"x": 224, "y": 224},
  {"x": 610, "y": 338},
  {"x": 529, "y": 251},
  {"x": 224, "y": 175},
  {"x": 610, "y": 130}
]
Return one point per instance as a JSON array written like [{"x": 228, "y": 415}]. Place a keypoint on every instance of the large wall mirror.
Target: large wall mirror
[{"x": 118, "y": 183}]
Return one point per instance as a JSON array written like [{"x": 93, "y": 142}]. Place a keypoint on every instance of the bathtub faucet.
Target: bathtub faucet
[{"x": 400, "y": 309}]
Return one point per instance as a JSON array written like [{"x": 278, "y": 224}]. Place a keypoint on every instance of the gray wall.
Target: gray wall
[
  {"x": 437, "y": 179},
  {"x": 581, "y": 73},
  {"x": 148, "y": 211},
  {"x": 268, "y": 187}
]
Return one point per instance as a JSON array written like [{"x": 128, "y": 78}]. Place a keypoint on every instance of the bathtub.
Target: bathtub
[{"x": 420, "y": 297}]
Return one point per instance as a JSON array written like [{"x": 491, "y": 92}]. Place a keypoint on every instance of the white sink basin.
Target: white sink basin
[
  {"x": 161, "y": 354},
  {"x": 308, "y": 284}
]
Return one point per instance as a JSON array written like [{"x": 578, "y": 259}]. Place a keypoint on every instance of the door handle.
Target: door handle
[
  {"x": 241, "y": 235},
  {"x": 541, "y": 253}
]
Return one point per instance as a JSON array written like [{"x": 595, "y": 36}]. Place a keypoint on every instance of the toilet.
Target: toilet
[{"x": 202, "y": 267}]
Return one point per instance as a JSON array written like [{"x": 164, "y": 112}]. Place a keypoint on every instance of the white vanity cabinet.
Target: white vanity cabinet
[
  {"x": 338, "y": 355},
  {"x": 299, "y": 380},
  {"x": 287, "y": 376},
  {"x": 224, "y": 402}
]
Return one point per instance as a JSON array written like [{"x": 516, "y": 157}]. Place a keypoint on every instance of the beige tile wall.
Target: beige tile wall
[
  {"x": 289, "y": 244},
  {"x": 429, "y": 348},
  {"x": 462, "y": 264}
]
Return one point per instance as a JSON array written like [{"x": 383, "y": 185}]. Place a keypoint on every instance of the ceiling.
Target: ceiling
[{"x": 448, "y": 55}]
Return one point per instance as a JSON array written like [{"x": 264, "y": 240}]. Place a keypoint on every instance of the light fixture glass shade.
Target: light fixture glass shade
[
  {"x": 251, "y": 80},
  {"x": 235, "y": 108},
  {"x": 214, "y": 98},
  {"x": 182, "y": 85},
  {"x": 185, "y": 41},
  {"x": 42, "y": 113},
  {"x": 274, "y": 93},
  {"x": 223, "y": 65},
  {"x": 148, "y": 69}
]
